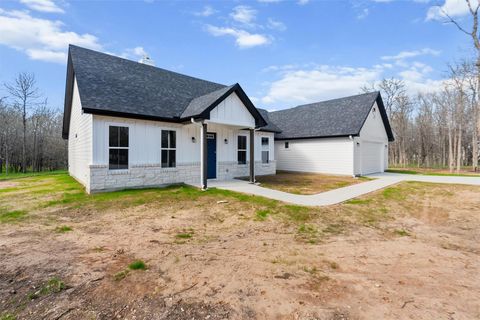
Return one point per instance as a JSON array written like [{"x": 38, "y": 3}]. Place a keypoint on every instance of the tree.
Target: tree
[
  {"x": 24, "y": 92},
  {"x": 475, "y": 37}
]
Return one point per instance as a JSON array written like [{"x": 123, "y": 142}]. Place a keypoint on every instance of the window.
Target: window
[
  {"x": 169, "y": 145},
  {"x": 286, "y": 145},
  {"x": 265, "y": 149},
  {"x": 242, "y": 150},
  {"x": 117, "y": 148}
]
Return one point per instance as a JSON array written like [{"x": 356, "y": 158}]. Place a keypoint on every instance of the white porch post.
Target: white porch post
[
  {"x": 203, "y": 156},
  {"x": 252, "y": 155}
]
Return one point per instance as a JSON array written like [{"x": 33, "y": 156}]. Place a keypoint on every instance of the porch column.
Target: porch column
[
  {"x": 252, "y": 155},
  {"x": 203, "y": 156}
]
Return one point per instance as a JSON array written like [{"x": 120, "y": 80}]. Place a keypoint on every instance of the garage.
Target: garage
[{"x": 371, "y": 159}]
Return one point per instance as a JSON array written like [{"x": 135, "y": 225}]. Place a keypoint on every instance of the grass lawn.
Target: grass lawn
[
  {"x": 182, "y": 253},
  {"x": 435, "y": 172},
  {"x": 307, "y": 183},
  {"x": 17, "y": 175}
]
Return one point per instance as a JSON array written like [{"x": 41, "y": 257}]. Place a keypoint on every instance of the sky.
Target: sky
[{"x": 283, "y": 53}]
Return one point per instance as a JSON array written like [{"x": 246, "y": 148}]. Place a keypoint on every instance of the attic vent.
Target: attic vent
[{"x": 147, "y": 60}]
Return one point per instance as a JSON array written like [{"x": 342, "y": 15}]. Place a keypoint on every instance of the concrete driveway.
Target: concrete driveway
[{"x": 339, "y": 195}]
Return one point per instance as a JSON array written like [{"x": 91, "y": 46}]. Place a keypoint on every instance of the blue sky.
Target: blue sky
[{"x": 283, "y": 53}]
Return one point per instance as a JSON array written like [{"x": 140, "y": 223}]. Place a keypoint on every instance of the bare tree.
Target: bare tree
[
  {"x": 24, "y": 91},
  {"x": 473, "y": 33}
]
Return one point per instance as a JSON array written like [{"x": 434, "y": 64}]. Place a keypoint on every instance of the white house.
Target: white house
[
  {"x": 134, "y": 125},
  {"x": 130, "y": 124}
]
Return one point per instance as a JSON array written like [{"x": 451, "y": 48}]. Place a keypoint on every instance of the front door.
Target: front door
[{"x": 211, "y": 155}]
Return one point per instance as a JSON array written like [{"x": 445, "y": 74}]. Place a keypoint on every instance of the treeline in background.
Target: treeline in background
[
  {"x": 438, "y": 129},
  {"x": 30, "y": 129}
]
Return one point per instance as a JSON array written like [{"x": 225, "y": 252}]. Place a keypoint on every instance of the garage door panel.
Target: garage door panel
[{"x": 372, "y": 157}]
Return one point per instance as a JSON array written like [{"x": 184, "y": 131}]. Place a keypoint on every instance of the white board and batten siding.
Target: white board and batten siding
[
  {"x": 145, "y": 140},
  {"x": 231, "y": 111},
  {"x": 325, "y": 155},
  {"x": 79, "y": 140},
  {"x": 371, "y": 147}
]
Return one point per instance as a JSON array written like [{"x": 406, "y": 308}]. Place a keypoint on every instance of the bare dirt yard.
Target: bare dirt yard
[
  {"x": 407, "y": 252},
  {"x": 307, "y": 183}
]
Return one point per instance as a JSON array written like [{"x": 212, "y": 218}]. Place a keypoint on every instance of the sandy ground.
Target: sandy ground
[{"x": 236, "y": 267}]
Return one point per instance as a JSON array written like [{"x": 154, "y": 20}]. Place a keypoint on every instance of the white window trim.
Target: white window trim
[
  {"x": 265, "y": 148},
  {"x": 168, "y": 149},
  {"x": 107, "y": 143},
  {"x": 246, "y": 149}
]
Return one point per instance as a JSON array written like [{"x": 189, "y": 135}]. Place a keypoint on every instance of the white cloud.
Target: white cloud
[
  {"x": 403, "y": 55},
  {"x": 454, "y": 8},
  {"x": 40, "y": 39},
  {"x": 135, "y": 53},
  {"x": 269, "y": 1},
  {"x": 244, "y": 14},
  {"x": 43, "y": 5},
  {"x": 320, "y": 83},
  {"x": 303, "y": 2},
  {"x": 305, "y": 84},
  {"x": 363, "y": 14},
  {"x": 243, "y": 39},
  {"x": 276, "y": 25},
  {"x": 206, "y": 12}
]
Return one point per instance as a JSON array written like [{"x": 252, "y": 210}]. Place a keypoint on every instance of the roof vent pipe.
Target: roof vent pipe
[{"x": 147, "y": 60}]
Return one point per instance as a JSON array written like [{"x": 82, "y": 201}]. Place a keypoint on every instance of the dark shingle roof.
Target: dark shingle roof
[
  {"x": 270, "y": 125},
  {"x": 332, "y": 118},
  {"x": 112, "y": 85}
]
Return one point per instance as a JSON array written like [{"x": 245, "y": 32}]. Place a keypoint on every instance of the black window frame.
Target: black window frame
[
  {"x": 241, "y": 152},
  {"x": 168, "y": 148},
  {"x": 118, "y": 150},
  {"x": 287, "y": 145},
  {"x": 265, "y": 150}
]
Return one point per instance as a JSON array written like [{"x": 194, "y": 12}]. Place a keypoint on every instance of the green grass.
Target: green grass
[
  {"x": 404, "y": 171},
  {"x": 308, "y": 233},
  {"x": 261, "y": 215},
  {"x": 63, "y": 229},
  {"x": 54, "y": 285},
  {"x": 120, "y": 275},
  {"x": 183, "y": 235},
  {"x": 394, "y": 193},
  {"x": 8, "y": 316},
  {"x": 358, "y": 201},
  {"x": 137, "y": 265},
  {"x": 401, "y": 232},
  {"x": 12, "y": 216},
  {"x": 20, "y": 175}
]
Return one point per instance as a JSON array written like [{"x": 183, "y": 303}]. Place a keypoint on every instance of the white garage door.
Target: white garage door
[{"x": 372, "y": 157}]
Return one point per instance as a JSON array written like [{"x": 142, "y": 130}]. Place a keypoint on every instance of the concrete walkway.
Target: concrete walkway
[{"x": 339, "y": 195}]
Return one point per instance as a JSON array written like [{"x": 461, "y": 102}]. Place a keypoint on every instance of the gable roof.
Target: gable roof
[
  {"x": 333, "y": 118},
  {"x": 115, "y": 86},
  {"x": 271, "y": 127}
]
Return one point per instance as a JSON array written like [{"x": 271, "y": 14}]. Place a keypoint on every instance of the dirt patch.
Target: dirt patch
[
  {"x": 307, "y": 183},
  {"x": 8, "y": 184},
  {"x": 414, "y": 256}
]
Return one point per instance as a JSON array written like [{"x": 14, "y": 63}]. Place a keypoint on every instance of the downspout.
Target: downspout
[{"x": 354, "y": 155}]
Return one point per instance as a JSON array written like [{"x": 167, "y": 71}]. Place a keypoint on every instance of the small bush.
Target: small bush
[{"x": 137, "y": 265}]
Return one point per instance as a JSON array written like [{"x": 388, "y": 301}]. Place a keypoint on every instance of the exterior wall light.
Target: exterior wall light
[
  {"x": 194, "y": 140},
  {"x": 226, "y": 141}
]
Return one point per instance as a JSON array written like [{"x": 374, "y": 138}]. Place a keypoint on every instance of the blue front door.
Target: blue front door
[{"x": 211, "y": 155}]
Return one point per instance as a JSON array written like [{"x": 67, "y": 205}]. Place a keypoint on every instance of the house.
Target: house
[
  {"x": 346, "y": 136},
  {"x": 131, "y": 124}
]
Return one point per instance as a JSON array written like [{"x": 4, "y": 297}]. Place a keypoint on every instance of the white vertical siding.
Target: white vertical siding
[
  {"x": 326, "y": 155},
  {"x": 371, "y": 152},
  {"x": 145, "y": 139},
  {"x": 232, "y": 111},
  {"x": 79, "y": 140}
]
